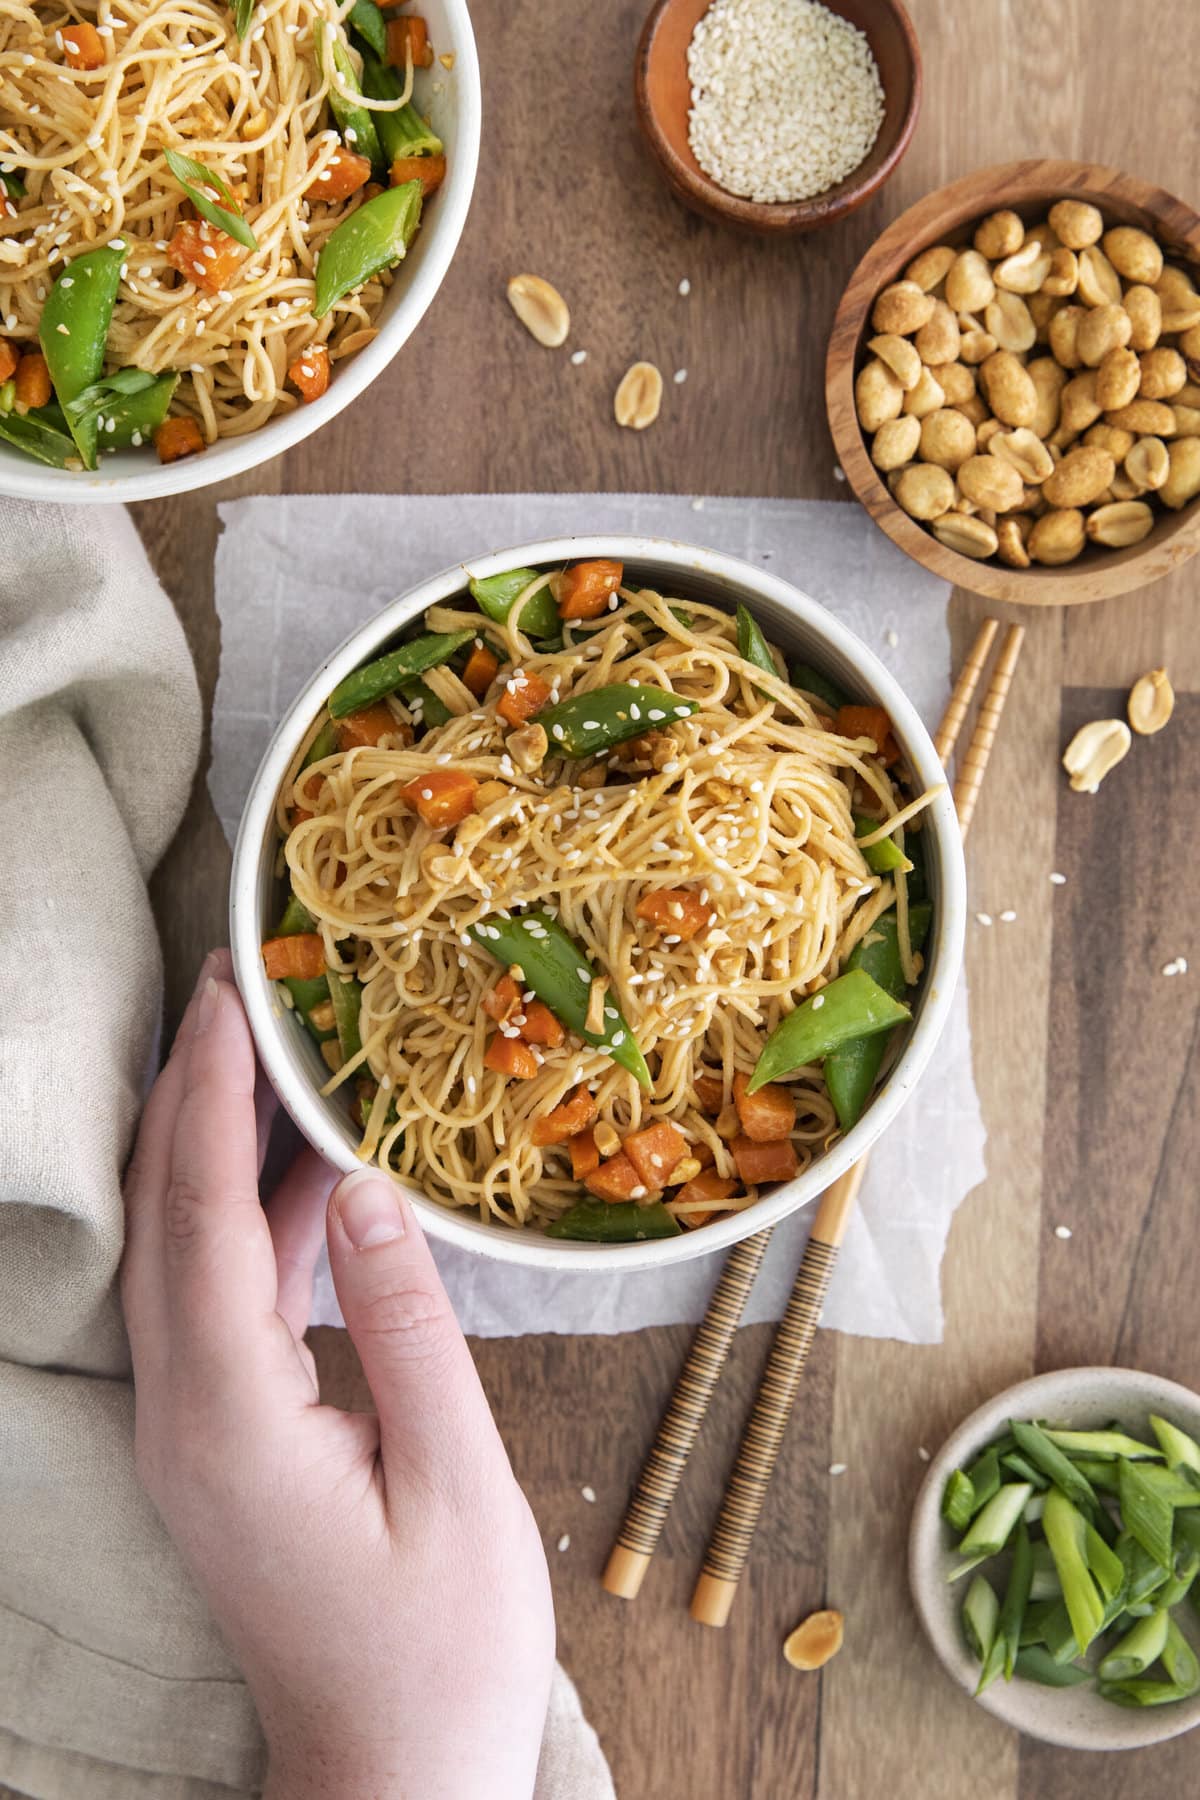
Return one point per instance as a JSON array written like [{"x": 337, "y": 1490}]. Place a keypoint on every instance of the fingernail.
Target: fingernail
[
  {"x": 206, "y": 1010},
  {"x": 370, "y": 1208}
]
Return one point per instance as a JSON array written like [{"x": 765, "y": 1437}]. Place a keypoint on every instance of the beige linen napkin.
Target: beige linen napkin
[{"x": 114, "y": 1684}]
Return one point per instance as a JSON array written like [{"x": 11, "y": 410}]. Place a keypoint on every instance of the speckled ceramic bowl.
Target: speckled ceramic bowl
[{"x": 1076, "y": 1718}]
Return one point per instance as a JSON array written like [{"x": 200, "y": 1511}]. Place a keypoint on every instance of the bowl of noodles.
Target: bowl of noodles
[
  {"x": 607, "y": 892},
  {"x": 218, "y": 223}
]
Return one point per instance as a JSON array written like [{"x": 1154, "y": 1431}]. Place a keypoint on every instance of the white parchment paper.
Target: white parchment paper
[{"x": 295, "y": 574}]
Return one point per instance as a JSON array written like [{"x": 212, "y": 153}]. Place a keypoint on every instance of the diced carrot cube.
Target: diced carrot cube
[
  {"x": 677, "y": 912},
  {"x": 757, "y": 1163},
  {"x": 541, "y": 1026},
  {"x": 509, "y": 1056},
  {"x": 710, "y": 1091},
  {"x": 616, "y": 1179},
  {"x": 703, "y": 1152},
  {"x": 569, "y": 1118},
  {"x": 178, "y": 437},
  {"x": 343, "y": 175},
  {"x": 584, "y": 1155},
  {"x": 443, "y": 797},
  {"x": 83, "y": 47},
  {"x": 584, "y": 591},
  {"x": 409, "y": 37},
  {"x": 654, "y": 1152},
  {"x": 483, "y": 665},
  {"x": 34, "y": 386},
  {"x": 864, "y": 722},
  {"x": 310, "y": 372},
  {"x": 365, "y": 727},
  {"x": 523, "y": 696},
  {"x": 204, "y": 255},
  {"x": 502, "y": 1000},
  {"x": 430, "y": 171},
  {"x": 300, "y": 957},
  {"x": 766, "y": 1116},
  {"x": 708, "y": 1185},
  {"x": 8, "y": 360}
]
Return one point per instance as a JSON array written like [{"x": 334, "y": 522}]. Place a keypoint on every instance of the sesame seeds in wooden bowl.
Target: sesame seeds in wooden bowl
[{"x": 735, "y": 112}]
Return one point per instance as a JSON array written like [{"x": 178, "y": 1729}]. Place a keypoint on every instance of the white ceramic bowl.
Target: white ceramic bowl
[
  {"x": 456, "y": 110},
  {"x": 1084, "y": 1399},
  {"x": 792, "y": 620}
]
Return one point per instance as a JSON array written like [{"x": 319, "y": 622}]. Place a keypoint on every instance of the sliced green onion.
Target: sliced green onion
[
  {"x": 1137, "y": 1649},
  {"x": 980, "y": 1611},
  {"x": 958, "y": 1500},
  {"x": 1180, "y": 1450},
  {"x": 992, "y": 1528},
  {"x": 1146, "y": 1513},
  {"x": 1033, "y": 1443},
  {"x": 1102, "y": 1444},
  {"x": 193, "y": 178},
  {"x": 1066, "y": 1534},
  {"x": 1037, "y": 1664}
]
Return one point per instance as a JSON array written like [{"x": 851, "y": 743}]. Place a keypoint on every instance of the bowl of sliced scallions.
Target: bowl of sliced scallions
[{"x": 1054, "y": 1557}]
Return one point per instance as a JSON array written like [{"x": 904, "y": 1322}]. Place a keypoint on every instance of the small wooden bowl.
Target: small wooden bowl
[
  {"x": 662, "y": 94},
  {"x": 948, "y": 216}
]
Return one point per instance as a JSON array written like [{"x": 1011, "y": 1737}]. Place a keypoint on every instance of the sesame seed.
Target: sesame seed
[
  {"x": 983, "y": 918},
  {"x": 837, "y": 1468},
  {"x": 1056, "y": 879},
  {"x": 564, "y": 1542},
  {"x": 923, "y": 1453},
  {"x": 1007, "y": 916},
  {"x": 818, "y": 1002},
  {"x": 1062, "y": 1231},
  {"x": 589, "y": 1494},
  {"x": 685, "y": 287},
  {"x": 578, "y": 357},
  {"x": 1178, "y": 966}
]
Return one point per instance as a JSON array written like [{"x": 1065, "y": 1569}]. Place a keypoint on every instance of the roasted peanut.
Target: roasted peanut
[
  {"x": 815, "y": 1640},
  {"x": 1042, "y": 308},
  {"x": 999, "y": 235},
  {"x": 930, "y": 268},
  {"x": 924, "y": 490},
  {"x": 969, "y": 284},
  {"x": 1133, "y": 254},
  {"x": 1078, "y": 405},
  {"x": 1011, "y": 535},
  {"x": 1057, "y": 537},
  {"x": 991, "y": 483},
  {"x": 1063, "y": 275},
  {"x": 1122, "y": 487},
  {"x": 1118, "y": 376},
  {"x": 1010, "y": 322},
  {"x": 937, "y": 340},
  {"x": 1024, "y": 271},
  {"x": 1145, "y": 418},
  {"x": 1009, "y": 391},
  {"x": 973, "y": 408},
  {"x": 957, "y": 383},
  {"x": 969, "y": 536},
  {"x": 1096, "y": 748},
  {"x": 901, "y": 308},
  {"x": 926, "y": 397},
  {"x": 947, "y": 438},
  {"x": 1099, "y": 283},
  {"x": 1077, "y": 223},
  {"x": 1183, "y": 476},
  {"x": 1025, "y": 451},
  {"x": 1102, "y": 329},
  {"x": 877, "y": 395},
  {"x": 895, "y": 443},
  {"x": 1145, "y": 315},
  {"x": 1108, "y": 437},
  {"x": 1064, "y": 335},
  {"x": 1122, "y": 523},
  {"x": 1187, "y": 420},
  {"x": 986, "y": 432},
  {"x": 1179, "y": 300},
  {"x": 1147, "y": 464},
  {"x": 1151, "y": 702},
  {"x": 1163, "y": 373},
  {"x": 976, "y": 346},
  {"x": 638, "y": 399},
  {"x": 898, "y": 355},
  {"x": 1079, "y": 477},
  {"x": 1048, "y": 381},
  {"x": 540, "y": 308}
]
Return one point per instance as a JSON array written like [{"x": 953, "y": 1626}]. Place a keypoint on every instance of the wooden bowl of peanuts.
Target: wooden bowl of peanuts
[{"x": 1013, "y": 382}]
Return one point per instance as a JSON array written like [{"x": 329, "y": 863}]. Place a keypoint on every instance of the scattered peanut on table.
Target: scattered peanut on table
[
  {"x": 1036, "y": 390},
  {"x": 815, "y": 1640}
]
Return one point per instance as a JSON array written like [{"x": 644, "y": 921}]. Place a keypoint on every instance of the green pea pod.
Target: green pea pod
[
  {"x": 852, "y": 1069},
  {"x": 75, "y": 322},
  {"x": 306, "y": 995},
  {"x": 12, "y": 185},
  {"x": 403, "y": 132},
  {"x": 36, "y": 437},
  {"x": 588, "y": 723},
  {"x": 752, "y": 645},
  {"x": 119, "y": 411},
  {"x": 811, "y": 681},
  {"x": 496, "y": 594},
  {"x": 386, "y": 673},
  {"x": 8, "y": 396},
  {"x": 560, "y": 974},
  {"x": 853, "y": 1006},
  {"x": 372, "y": 239},
  {"x": 367, "y": 23},
  {"x": 347, "y": 1004},
  {"x": 296, "y": 918},
  {"x": 431, "y": 706},
  {"x": 356, "y": 123},
  {"x": 323, "y": 745},
  {"x": 621, "y": 1222},
  {"x": 884, "y": 856}
]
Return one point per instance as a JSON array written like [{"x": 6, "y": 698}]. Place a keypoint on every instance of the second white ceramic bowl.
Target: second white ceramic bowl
[{"x": 802, "y": 628}]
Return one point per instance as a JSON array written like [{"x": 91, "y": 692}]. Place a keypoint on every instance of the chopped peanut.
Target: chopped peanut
[
  {"x": 766, "y": 1116},
  {"x": 442, "y": 797},
  {"x": 310, "y": 372},
  {"x": 176, "y": 438},
  {"x": 528, "y": 747}
]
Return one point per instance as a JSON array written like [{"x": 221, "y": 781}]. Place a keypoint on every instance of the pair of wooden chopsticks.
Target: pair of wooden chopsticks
[{"x": 729, "y": 1546}]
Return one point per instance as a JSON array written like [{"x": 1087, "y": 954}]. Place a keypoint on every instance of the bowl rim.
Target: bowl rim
[
  {"x": 926, "y": 1552},
  {"x": 772, "y": 217},
  {"x": 973, "y": 196},
  {"x": 23, "y": 479},
  {"x": 314, "y": 1116}
]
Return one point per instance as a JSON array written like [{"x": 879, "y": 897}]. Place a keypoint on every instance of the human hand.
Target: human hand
[{"x": 380, "y": 1579}]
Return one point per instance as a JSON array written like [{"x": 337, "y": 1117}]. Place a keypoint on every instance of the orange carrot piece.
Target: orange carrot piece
[
  {"x": 8, "y": 360},
  {"x": 430, "y": 171},
  {"x": 300, "y": 957},
  {"x": 863, "y": 722},
  {"x": 584, "y": 591},
  {"x": 483, "y": 665},
  {"x": 443, "y": 797},
  {"x": 616, "y": 1179},
  {"x": 310, "y": 372},
  {"x": 509, "y": 1056},
  {"x": 407, "y": 35},
  {"x": 654, "y": 1151},
  {"x": 677, "y": 912},
  {"x": 502, "y": 999},
  {"x": 710, "y": 1092},
  {"x": 178, "y": 437},
  {"x": 204, "y": 255},
  {"x": 703, "y": 1152},
  {"x": 766, "y": 1116},
  {"x": 541, "y": 1026},
  {"x": 343, "y": 175},
  {"x": 34, "y": 386},
  {"x": 584, "y": 1155},
  {"x": 366, "y": 727},
  {"x": 83, "y": 47},
  {"x": 708, "y": 1185},
  {"x": 757, "y": 1163},
  {"x": 569, "y": 1118},
  {"x": 523, "y": 695}
]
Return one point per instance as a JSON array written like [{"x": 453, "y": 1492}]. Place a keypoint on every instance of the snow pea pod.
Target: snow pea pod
[
  {"x": 38, "y": 438},
  {"x": 296, "y": 918},
  {"x": 588, "y": 723},
  {"x": 403, "y": 132},
  {"x": 853, "y": 1068},
  {"x": 811, "y": 681},
  {"x": 75, "y": 321},
  {"x": 367, "y": 23},
  {"x": 370, "y": 240},
  {"x": 617, "y": 1222},
  {"x": 347, "y": 1002},
  {"x": 386, "y": 673},
  {"x": 495, "y": 595},
  {"x": 853, "y": 1006},
  {"x": 431, "y": 707},
  {"x": 307, "y": 995},
  {"x": 356, "y": 123},
  {"x": 323, "y": 745},
  {"x": 561, "y": 976},
  {"x": 12, "y": 185},
  {"x": 884, "y": 856},
  {"x": 119, "y": 411}
]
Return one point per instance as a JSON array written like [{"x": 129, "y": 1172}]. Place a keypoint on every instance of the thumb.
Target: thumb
[{"x": 433, "y": 1414}]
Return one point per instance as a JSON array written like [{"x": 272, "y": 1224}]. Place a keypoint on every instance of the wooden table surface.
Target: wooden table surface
[{"x": 1085, "y": 1055}]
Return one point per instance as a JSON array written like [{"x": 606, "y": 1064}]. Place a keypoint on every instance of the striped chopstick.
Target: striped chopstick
[
  {"x": 974, "y": 763},
  {"x": 655, "y": 1490}
]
